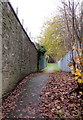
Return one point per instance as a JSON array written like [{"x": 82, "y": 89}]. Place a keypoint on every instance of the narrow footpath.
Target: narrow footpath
[
  {"x": 27, "y": 101},
  {"x": 51, "y": 69},
  {"x": 48, "y": 94}
]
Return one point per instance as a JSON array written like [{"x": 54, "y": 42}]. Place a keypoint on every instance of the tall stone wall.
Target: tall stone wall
[
  {"x": 0, "y": 52},
  {"x": 19, "y": 55}
]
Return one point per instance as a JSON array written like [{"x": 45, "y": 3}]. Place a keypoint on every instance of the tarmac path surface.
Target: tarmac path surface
[
  {"x": 44, "y": 94},
  {"x": 51, "y": 69},
  {"x": 28, "y": 99}
]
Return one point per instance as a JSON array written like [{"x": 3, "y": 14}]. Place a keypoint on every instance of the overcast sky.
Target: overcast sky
[{"x": 34, "y": 12}]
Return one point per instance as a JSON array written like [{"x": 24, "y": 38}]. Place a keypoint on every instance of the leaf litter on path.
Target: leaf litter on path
[
  {"x": 56, "y": 100},
  {"x": 10, "y": 102}
]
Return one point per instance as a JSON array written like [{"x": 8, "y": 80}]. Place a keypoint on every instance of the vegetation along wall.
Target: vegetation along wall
[{"x": 19, "y": 55}]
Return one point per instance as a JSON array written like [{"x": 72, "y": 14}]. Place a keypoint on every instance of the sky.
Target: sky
[{"x": 34, "y": 13}]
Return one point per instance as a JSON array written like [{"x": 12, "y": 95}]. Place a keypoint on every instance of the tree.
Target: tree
[
  {"x": 52, "y": 38},
  {"x": 74, "y": 31},
  {"x": 40, "y": 48},
  {"x": 64, "y": 33}
]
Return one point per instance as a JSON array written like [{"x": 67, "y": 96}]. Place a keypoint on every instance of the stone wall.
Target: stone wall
[
  {"x": 19, "y": 55},
  {"x": 0, "y": 52}
]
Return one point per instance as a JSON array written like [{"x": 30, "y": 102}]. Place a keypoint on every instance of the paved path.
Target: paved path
[
  {"x": 51, "y": 69},
  {"x": 28, "y": 101}
]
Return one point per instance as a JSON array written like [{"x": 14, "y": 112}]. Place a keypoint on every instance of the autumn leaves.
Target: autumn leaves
[{"x": 77, "y": 65}]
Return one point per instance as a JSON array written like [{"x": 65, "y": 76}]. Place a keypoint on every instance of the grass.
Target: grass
[
  {"x": 48, "y": 66},
  {"x": 56, "y": 68}
]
